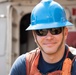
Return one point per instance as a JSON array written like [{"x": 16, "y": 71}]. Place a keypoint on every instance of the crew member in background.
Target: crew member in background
[{"x": 53, "y": 56}]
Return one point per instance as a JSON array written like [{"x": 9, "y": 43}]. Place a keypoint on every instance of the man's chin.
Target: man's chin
[{"x": 50, "y": 51}]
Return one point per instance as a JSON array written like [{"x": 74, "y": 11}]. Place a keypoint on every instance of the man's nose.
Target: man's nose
[{"x": 49, "y": 35}]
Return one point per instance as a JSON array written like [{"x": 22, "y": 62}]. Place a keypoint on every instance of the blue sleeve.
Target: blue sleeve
[
  {"x": 18, "y": 68},
  {"x": 74, "y": 68}
]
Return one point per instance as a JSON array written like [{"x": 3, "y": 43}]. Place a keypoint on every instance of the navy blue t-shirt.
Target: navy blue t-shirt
[{"x": 19, "y": 67}]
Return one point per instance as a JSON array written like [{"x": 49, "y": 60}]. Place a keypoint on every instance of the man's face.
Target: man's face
[{"x": 52, "y": 43}]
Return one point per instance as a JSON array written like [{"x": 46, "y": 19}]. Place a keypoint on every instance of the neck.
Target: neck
[{"x": 55, "y": 57}]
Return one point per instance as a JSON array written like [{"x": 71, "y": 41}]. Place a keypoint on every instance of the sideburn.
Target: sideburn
[
  {"x": 62, "y": 40},
  {"x": 35, "y": 38}
]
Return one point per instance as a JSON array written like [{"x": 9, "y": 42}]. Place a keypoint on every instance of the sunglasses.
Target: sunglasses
[{"x": 53, "y": 31}]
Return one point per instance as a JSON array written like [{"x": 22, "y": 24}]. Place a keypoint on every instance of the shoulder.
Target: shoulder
[
  {"x": 73, "y": 51},
  {"x": 32, "y": 54},
  {"x": 18, "y": 67}
]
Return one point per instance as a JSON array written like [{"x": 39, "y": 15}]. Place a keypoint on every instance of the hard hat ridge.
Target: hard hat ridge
[
  {"x": 46, "y": 0},
  {"x": 48, "y": 14}
]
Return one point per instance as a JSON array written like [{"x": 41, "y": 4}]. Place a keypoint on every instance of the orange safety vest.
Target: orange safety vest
[{"x": 32, "y": 59}]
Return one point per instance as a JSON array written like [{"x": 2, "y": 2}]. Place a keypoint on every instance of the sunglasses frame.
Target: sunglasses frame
[{"x": 53, "y": 31}]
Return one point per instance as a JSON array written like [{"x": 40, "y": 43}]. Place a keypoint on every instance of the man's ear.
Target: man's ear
[{"x": 65, "y": 32}]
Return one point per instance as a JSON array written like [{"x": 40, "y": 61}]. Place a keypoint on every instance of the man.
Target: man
[{"x": 53, "y": 56}]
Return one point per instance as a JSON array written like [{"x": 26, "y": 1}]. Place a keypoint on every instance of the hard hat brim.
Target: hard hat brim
[{"x": 49, "y": 25}]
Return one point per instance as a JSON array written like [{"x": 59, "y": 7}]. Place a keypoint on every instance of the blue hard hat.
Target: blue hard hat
[{"x": 48, "y": 14}]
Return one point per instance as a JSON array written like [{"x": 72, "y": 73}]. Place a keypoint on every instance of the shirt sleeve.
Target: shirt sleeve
[
  {"x": 74, "y": 68},
  {"x": 19, "y": 67}
]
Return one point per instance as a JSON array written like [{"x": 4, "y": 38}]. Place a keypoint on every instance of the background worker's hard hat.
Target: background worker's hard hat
[{"x": 48, "y": 14}]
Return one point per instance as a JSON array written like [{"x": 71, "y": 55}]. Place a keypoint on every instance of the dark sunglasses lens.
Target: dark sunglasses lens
[
  {"x": 42, "y": 32},
  {"x": 55, "y": 31}
]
